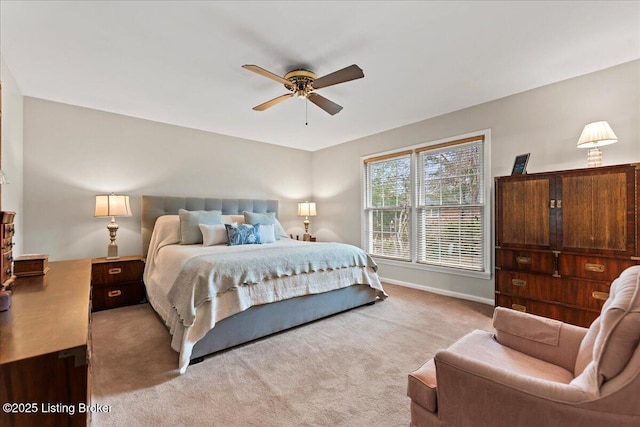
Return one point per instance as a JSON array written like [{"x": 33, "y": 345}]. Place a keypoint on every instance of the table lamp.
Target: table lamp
[{"x": 112, "y": 205}]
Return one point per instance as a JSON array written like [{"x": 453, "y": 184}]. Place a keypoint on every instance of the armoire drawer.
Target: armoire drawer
[
  {"x": 522, "y": 260},
  {"x": 592, "y": 267},
  {"x": 574, "y": 316},
  {"x": 586, "y": 294}
]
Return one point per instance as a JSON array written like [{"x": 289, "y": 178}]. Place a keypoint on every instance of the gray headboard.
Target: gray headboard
[{"x": 155, "y": 206}]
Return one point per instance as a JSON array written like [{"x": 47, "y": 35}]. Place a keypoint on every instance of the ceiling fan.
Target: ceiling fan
[{"x": 304, "y": 83}]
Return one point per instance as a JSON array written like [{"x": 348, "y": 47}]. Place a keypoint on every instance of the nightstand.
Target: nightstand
[{"x": 117, "y": 282}]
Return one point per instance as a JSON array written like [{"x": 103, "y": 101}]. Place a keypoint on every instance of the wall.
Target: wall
[
  {"x": 73, "y": 153},
  {"x": 12, "y": 141},
  {"x": 545, "y": 122}
]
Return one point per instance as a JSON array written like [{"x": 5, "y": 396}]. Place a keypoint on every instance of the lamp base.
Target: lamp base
[
  {"x": 306, "y": 237},
  {"x": 594, "y": 158},
  {"x": 112, "y": 251}
]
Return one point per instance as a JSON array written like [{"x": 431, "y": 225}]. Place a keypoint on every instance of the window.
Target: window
[{"x": 427, "y": 205}]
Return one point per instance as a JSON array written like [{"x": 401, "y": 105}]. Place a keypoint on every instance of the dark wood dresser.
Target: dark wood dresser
[
  {"x": 45, "y": 347},
  {"x": 563, "y": 237}
]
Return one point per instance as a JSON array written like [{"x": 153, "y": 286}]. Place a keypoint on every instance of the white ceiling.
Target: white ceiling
[{"x": 180, "y": 62}]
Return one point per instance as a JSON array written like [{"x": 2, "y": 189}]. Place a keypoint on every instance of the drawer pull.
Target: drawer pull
[
  {"x": 9, "y": 257},
  {"x": 115, "y": 270},
  {"x": 519, "y": 307},
  {"x": 597, "y": 268},
  {"x": 600, "y": 295},
  {"x": 523, "y": 260},
  {"x": 115, "y": 293},
  {"x": 518, "y": 282}
]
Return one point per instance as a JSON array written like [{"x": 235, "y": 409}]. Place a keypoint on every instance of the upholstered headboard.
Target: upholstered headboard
[{"x": 156, "y": 206}]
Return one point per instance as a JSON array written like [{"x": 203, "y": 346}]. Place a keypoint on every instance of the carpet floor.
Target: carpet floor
[{"x": 349, "y": 369}]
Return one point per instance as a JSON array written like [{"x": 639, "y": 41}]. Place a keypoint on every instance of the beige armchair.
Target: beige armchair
[{"x": 535, "y": 371}]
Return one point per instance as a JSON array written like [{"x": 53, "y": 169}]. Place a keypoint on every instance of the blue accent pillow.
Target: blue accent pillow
[{"x": 243, "y": 234}]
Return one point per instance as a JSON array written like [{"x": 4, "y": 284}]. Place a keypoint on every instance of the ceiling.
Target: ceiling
[{"x": 180, "y": 62}]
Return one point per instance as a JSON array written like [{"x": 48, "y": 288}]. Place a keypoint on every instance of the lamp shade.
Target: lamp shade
[
  {"x": 112, "y": 205},
  {"x": 597, "y": 134},
  {"x": 307, "y": 209}
]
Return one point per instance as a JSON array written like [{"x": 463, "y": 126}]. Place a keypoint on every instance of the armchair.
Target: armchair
[{"x": 535, "y": 371}]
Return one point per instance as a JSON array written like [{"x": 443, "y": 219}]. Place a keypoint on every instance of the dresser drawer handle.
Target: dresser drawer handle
[
  {"x": 600, "y": 295},
  {"x": 519, "y": 307},
  {"x": 115, "y": 293},
  {"x": 9, "y": 257},
  {"x": 518, "y": 282},
  {"x": 597, "y": 268},
  {"x": 523, "y": 260},
  {"x": 115, "y": 270}
]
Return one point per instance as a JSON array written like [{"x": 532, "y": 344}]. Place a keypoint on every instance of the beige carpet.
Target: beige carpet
[{"x": 346, "y": 370}]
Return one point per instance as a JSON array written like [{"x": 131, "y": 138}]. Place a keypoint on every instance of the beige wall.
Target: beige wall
[
  {"x": 545, "y": 122},
  {"x": 73, "y": 153},
  {"x": 12, "y": 136}
]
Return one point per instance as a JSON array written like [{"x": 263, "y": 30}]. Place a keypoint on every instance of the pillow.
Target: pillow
[
  {"x": 254, "y": 218},
  {"x": 267, "y": 233},
  {"x": 230, "y": 219},
  {"x": 280, "y": 233},
  {"x": 243, "y": 234},
  {"x": 166, "y": 231},
  {"x": 215, "y": 234},
  {"x": 190, "y": 233}
]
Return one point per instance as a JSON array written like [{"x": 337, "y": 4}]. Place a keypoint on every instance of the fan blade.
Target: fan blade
[
  {"x": 322, "y": 102},
  {"x": 273, "y": 102},
  {"x": 352, "y": 72},
  {"x": 267, "y": 74}
]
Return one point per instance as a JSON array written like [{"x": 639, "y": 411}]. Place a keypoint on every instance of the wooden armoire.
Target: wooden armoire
[{"x": 563, "y": 237}]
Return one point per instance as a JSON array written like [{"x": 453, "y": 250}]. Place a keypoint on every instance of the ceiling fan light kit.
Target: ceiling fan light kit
[{"x": 303, "y": 84}]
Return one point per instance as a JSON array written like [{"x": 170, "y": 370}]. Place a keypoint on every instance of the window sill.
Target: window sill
[{"x": 425, "y": 267}]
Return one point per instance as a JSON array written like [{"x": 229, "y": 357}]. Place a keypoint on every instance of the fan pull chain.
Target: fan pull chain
[{"x": 306, "y": 111}]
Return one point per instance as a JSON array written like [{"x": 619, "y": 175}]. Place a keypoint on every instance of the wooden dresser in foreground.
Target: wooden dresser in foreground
[
  {"x": 45, "y": 346},
  {"x": 563, "y": 237}
]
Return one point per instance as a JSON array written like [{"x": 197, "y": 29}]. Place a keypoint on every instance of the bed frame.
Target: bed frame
[{"x": 258, "y": 321}]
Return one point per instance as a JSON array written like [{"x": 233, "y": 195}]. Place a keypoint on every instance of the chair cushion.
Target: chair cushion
[
  {"x": 614, "y": 336},
  {"x": 422, "y": 384}
]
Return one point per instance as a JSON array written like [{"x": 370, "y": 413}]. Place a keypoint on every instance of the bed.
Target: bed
[{"x": 215, "y": 297}]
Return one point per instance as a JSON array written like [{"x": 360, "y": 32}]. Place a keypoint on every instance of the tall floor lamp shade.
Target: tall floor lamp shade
[
  {"x": 112, "y": 205},
  {"x": 306, "y": 209}
]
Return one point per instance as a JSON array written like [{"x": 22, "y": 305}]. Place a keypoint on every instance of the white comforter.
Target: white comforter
[{"x": 166, "y": 260}]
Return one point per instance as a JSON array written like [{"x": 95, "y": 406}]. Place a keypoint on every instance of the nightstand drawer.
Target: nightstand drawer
[
  {"x": 112, "y": 296},
  {"x": 117, "y": 271}
]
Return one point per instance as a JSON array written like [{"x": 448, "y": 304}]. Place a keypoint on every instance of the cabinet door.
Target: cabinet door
[
  {"x": 523, "y": 216},
  {"x": 597, "y": 211}
]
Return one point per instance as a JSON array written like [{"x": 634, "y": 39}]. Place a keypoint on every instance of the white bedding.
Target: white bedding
[{"x": 166, "y": 259}]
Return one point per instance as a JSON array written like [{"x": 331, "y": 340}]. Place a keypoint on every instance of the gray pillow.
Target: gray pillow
[
  {"x": 268, "y": 218},
  {"x": 190, "y": 221}
]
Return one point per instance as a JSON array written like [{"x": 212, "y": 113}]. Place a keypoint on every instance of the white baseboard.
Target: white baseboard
[{"x": 459, "y": 295}]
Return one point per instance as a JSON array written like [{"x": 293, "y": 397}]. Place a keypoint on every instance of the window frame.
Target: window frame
[{"x": 413, "y": 209}]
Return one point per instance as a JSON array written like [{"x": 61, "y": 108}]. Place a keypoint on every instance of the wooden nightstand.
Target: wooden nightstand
[{"x": 117, "y": 282}]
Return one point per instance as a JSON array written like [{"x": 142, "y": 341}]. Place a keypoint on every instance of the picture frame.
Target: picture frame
[{"x": 520, "y": 164}]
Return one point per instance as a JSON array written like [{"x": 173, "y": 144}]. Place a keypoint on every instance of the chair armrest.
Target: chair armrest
[
  {"x": 547, "y": 339},
  {"x": 454, "y": 369}
]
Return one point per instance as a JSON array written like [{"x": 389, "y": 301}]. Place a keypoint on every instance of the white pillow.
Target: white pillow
[
  {"x": 215, "y": 234},
  {"x": 267, "y": 233}
]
